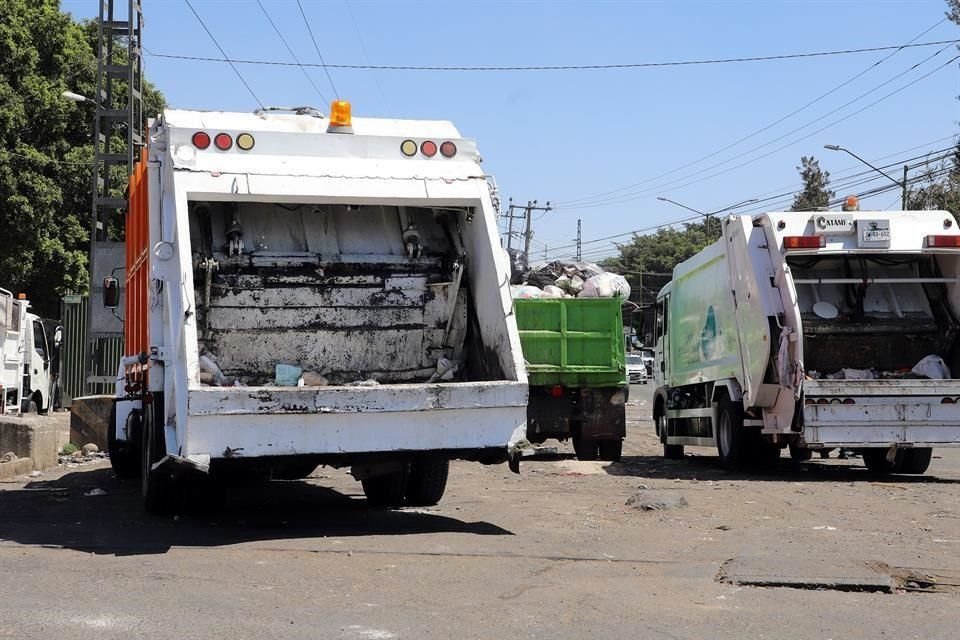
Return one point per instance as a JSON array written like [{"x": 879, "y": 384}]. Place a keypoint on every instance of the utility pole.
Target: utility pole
[
  {"x": 579, "y": 238},
  {"x": 528, "y": 234},
  {"x": 510, "y": 224},
  {"x": 903, "y": 198}
]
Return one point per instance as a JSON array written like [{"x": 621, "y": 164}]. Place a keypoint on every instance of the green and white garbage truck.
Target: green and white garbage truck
[{"x": 813, "y": 331}]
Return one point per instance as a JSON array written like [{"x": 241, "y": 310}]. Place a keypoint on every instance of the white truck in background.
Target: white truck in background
[
  {"x": 305, "y": 290},
  {"x": 29, "y": 354},
  {"x": 805, "y": 330}
]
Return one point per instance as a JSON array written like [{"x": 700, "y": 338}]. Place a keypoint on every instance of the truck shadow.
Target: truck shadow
[
  {"x": 708, "y": 468},
  {"x": 57, "y": 513}
]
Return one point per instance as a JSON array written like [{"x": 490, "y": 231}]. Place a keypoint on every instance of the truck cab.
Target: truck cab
[{"x": 30, "y": 357}]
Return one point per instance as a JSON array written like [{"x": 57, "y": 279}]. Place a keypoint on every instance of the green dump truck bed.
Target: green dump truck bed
[{"x": 575, "y": 342}]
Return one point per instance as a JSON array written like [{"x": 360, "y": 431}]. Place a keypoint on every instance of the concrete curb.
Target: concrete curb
[
  {"x": 18, "y": 467},
  {"x": 37, "y": 439}
]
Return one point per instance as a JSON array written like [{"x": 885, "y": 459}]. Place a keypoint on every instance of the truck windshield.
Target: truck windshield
[
  {"x": 634, "y": 360},
  {"x": 872, "y": 311}
]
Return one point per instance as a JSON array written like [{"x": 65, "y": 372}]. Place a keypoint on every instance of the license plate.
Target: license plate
[{"x": 876, "y": 235}]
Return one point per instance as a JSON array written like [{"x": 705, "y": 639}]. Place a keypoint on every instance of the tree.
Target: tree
[
  {"x": 46, "y": 151},
  {"x": 815, "y": 194},
  {"x": 660, "y": 252}
]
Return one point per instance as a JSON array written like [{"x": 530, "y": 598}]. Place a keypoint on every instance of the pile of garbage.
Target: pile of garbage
[
  {"x": 563, "y": 279},
  {"x": 931, "y": 367}
]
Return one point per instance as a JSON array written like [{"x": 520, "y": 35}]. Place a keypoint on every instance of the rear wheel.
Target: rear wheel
[
  {"x": 387, "y": 490},
  {"x": 610, "y": 450},
  {"x": 877, "y": 462},
  {"x": 586, "y": 449},
  {"x": 916, "y": 461},
  {"x": 428, "y": 481},
  {"x": 125, "y": 454},
  {"x": 731, "y": 438},
  {"x": 799, "y": 454}
]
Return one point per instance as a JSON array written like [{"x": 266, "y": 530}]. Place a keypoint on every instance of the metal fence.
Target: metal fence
[{"x": 79, "y": 377}]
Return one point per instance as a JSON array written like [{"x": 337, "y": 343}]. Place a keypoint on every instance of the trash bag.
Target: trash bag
[
  {"x": 518, "y": 265},
  {"x": 525, "y": 291},
  {"x": 551, "y": 291},
  {"x": 605, "y": 285},
  {"x": 933, "y": 367}
]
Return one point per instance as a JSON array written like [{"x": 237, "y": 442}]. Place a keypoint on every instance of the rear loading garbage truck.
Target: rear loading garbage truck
[
  {"x": 814, "y": 330},
  {"x": 574, "y": 353},
  {"x": 305, "y": 290}
]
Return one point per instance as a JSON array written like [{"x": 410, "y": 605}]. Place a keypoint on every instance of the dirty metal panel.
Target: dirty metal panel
[
  {"x": 881, "y": 388},
  {"x": 272, "y": 434},
  {"x": 234, "y": 401},
  {"x": 313, "y": 318}
]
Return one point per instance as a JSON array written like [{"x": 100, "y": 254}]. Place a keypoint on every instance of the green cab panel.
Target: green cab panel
[{"x": 574, "y": 342}]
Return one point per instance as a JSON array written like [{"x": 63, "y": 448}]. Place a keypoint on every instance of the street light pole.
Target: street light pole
[{"x": 902, "y": 185}]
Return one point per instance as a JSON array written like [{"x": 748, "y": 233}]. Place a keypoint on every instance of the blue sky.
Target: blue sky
[{"x": 569, "y": 135}]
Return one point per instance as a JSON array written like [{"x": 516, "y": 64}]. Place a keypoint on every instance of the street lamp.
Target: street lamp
[
  {"x": 74, "y": 97},
  {"x": 901, "y": 184}
]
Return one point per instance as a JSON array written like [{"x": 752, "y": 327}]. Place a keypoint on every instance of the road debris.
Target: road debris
[{"x": 656, "y": 500}]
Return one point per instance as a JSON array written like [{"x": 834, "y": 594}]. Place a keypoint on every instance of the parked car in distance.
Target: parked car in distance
[{"x": 636, "y": 369}]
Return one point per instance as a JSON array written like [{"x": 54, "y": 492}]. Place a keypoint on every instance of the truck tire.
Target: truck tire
[
  {"x": 798, "y": 454},
  {"x": 428, "y": 481},
  {"x": 670, "y": 451},
  {"x": 916, "y": 461},
  {"x": 731, "y": 436},
  {"x": 387, "y": 490},
  {"x": 585, "y": 449},
  {"x": 154, "y": 486},
  {"x": 875, "y": 459},
  {"x": 610, "y": 450},
  {"x": 125, "y": 455}
]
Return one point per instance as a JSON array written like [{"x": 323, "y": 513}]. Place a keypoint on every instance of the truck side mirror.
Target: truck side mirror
[{"x": 111, "y": 292}]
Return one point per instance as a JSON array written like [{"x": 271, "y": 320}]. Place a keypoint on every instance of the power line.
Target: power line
[
  {"x": 571, "y": 67},
  {"x": 759, "y": 131},
  {"x": 224, "y": 54},
  {"x": 47, "y": 160},
  {"x": 317, "y": 47},
  {"x": 648, "y": 192},
  {"x": 845, "y": 182},
  {"x": 292, "y": 54}
]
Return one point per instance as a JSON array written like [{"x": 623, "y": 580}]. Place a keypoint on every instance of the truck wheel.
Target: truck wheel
[
  {"x": 731, "y": 437},
  {"x": 798, "y": 454},
  {"x": 154, "y": 487},
  {"x": 610, "y": 450},
  {"x": 876, "y": 461},
  {"x": 125, "y": 456},
  {"x": 428, "y": 481},
  {"x": 585, "y": 449},
  {"x": 387, "y": 490},
  {"x": 916, "y": 461}
]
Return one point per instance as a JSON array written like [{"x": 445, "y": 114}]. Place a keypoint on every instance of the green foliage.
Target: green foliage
[
  {"x": 815, "y": 193},
  {"x": 69, "y": 448},
  {"x": 45, "y": 150},
  {"x": 659, "y": 252},
  {"x": 938, "y": 186}
]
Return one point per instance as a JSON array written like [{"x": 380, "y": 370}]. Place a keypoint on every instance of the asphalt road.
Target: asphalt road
[{"x": 553, "y": 553}]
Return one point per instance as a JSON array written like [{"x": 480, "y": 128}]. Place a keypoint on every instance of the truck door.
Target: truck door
[
  {"x": 661, "y": 368},
  {"x": 37, "y": 364}
]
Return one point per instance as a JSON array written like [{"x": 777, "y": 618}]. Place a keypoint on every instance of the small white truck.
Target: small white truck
[
  {"x": 304, "y": 290},
  {"x": 29, "y": 351},
  {"x": 814, "y": 330}
]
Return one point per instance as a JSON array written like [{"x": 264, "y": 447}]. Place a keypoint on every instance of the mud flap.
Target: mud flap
[{"x": 604, "y": 413}]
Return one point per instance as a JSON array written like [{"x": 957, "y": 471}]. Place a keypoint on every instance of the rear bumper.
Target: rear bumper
[
  {"x": 882, "y": 413},
  {"x": 462, "y": 419}
]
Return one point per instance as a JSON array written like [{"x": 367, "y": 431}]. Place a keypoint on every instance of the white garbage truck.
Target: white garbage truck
[
  {"x": 29, "y": 355},
  {"x": 813, "y": 331},
  {"x": 304, "y": 289}
]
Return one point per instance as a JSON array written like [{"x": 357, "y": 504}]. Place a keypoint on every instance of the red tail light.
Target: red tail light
[
  {"x": 946, "y": 401},
  {"x": 201, "y": 140},
  {"x": 804, "y": 242},
  {"x": 848, "y": 401},
  {"x": 429, "y": 148},
  {"x": 557, "y": 391},
  {"x": 223, "y": 141},
  {"x": 809, "y": 401},
  {"x": 948, "y": 242},
  {"x": 823, "y": 401},
  {"x": 448, "y": 149}
]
